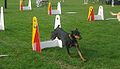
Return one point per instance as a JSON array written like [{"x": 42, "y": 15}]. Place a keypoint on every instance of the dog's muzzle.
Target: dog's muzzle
[{"x": 78, "y": 37}]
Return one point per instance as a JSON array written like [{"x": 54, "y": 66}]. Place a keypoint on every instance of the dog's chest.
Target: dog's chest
[{"x": 68, "y": 41}]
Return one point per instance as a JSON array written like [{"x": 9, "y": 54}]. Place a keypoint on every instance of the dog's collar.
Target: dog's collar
[{"x": 70, "y": 37}]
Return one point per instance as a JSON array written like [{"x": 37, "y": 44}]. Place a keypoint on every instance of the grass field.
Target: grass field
[{"x": 100, "y": 44}]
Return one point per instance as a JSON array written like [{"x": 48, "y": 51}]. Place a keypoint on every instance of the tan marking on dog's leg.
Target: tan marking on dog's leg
[
  {"x": 76, "y": 44},
  {"x": 51, "y": 36},
  {"x": 69, "y": 56},
  {"x": 81, "y": 56}
]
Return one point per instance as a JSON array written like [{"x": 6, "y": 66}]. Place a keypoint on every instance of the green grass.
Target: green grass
[{"x": 100, "y": 44}]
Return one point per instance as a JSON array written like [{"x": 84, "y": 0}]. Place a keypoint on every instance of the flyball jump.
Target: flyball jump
[
  {"x": 2, "y": 20},
  {"x": 57, "y": 11},
  {"x": 99, "y": 16},
  {"x": 36, "y": 44},
  {"x": 25, "y": 7}
]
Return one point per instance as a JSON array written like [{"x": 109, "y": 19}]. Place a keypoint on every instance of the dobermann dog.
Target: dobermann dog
[{"x": 68, "y": 40}]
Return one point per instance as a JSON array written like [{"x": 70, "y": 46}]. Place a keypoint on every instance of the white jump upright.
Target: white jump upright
[
  {"x": 2, "y": 20},
  {"x": 57, "y": 21},
  {"x": 25, "y": 7},
  {"x": 100, "y": 15},
  {"x": 85, "y": 1},
  {"x": 53, "y": 43},
  {"x": 57, "y": 11}
]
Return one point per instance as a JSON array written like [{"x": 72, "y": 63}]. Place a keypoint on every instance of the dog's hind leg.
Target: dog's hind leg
[
  {"x": 53, "y": 36},
  {"x": 77, "y": 47}
]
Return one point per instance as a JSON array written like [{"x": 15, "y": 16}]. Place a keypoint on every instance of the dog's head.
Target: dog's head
[{"x": 76, "y": 34}]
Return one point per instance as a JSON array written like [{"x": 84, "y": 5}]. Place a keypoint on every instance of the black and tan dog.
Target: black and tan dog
[{"x": 68, "y": 40}]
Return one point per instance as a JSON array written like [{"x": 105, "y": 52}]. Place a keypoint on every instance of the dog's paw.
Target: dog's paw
[
  {"x": 69, "y": 56},
  {"x": 84, "y": 60}
]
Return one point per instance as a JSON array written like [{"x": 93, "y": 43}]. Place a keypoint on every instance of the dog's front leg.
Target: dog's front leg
[
  {"x": 77, "y": 47},
  {"x": 68, "y": 52},
  {"x": 52, "y": 36}
]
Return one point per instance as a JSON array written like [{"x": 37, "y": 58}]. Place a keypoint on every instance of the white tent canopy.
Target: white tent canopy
[{"x": 2, "y": 20}]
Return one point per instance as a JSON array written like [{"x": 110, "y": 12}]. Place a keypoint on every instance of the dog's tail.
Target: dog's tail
[
  {"x": 58, "y": 26},
  {"x": 113, "y": 13}
]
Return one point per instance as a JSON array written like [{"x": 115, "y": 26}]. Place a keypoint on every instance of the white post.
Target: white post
[
  {"x": 57, "y": 21},
  {"x": 112, "y": 3},
  {"x": 100, "y": 12},
  {"x": 59, "y": 7},
  {"x": 29, "y": 4},
  {"x": 2, "y": 20},
  {"x": 85, "y": 1}
]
